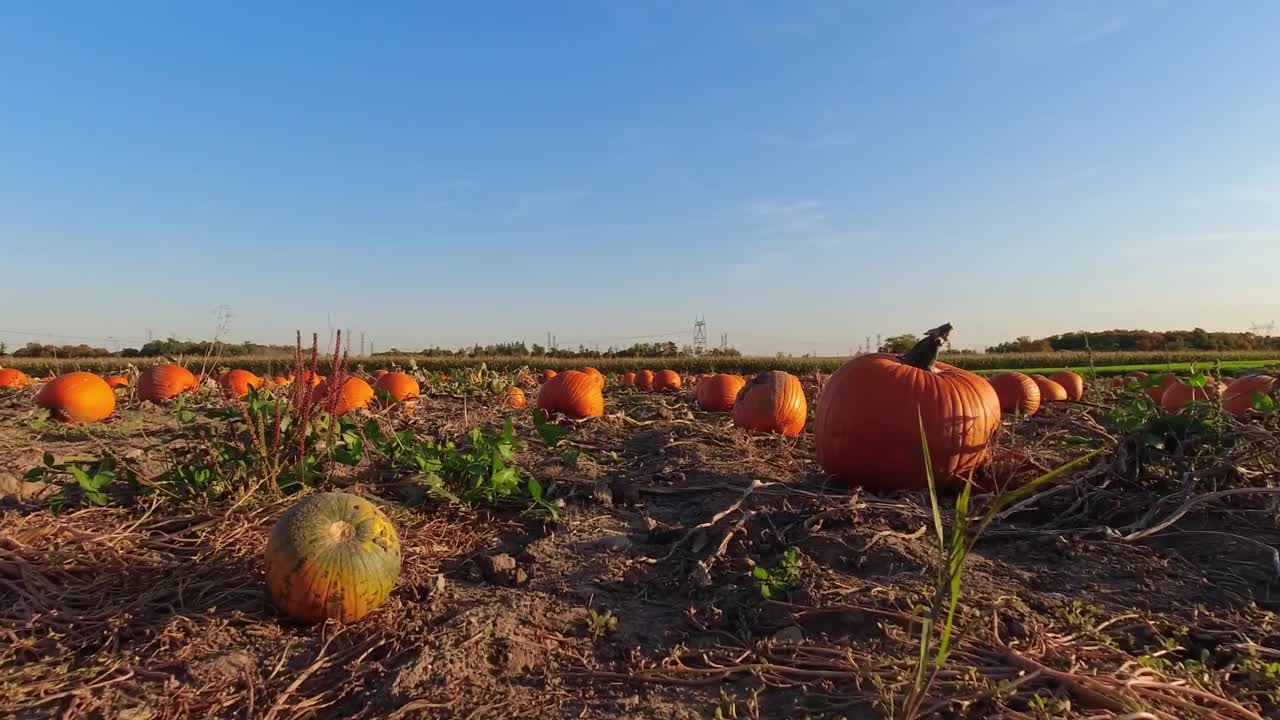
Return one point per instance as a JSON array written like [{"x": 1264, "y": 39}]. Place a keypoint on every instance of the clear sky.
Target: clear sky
[{"x": 802, "y": 174}]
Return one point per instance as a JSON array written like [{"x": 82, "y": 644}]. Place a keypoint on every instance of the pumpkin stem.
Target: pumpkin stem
[{"x": 925, "y": 352}]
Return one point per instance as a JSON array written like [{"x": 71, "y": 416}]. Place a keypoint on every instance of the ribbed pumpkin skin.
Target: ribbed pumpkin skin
[
  {"x": 1017, "y": 392},
  {"x": 1050, "y": 391},
  {"x": 332, "y": 555},
  {"x": 572, "y": 393},
  {"x": 1071, "y": 382},
  {"x": 159, "y": 383},
  {"x": 772, "y": 402},
  {"x": 11, "y": 379},
  {"x": 548, "y": 374},
  {"x": 644, "y": 379},
  {"x": 516, "y": 398},
  {"x": 1237, "y": 399},
  {"x": 1179, "y": 395},
  {"x": 117, "y": 381},
  {"x": 1156, "y": 392},
  {"x": 79, "y": 397},
  {"x": 867, "y": 428},
  {"x": 718, "y": 392},
  {"x": 354, "y": 394},
  {"x": 666, "y": 380},
  {"x": 599, "y": 376},
  {"x": 398, "y": 385},
  {"x": 237, "y": 383}
]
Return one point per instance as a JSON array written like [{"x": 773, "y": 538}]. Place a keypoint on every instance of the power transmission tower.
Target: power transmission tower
[
  {"x": 699, "y": 336},
  {"x": 724, "y": 342},
  {"x": 1266, "y": 328},
  {"x": 361, "y": 343}
]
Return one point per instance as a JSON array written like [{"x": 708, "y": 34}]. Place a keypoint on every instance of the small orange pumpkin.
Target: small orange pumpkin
[
  {"x": 1018, "y": 393},
  {"x": 772, "y": 402},
  {"x": 355, "y": 393},
  {"x": 516, "y": 398},
  {"x": 281, "y": 380},
  {"x": 159, "y": 383},
  {"x": 548, "y": 374},
  {"x": 666, "y": 380},
  {"x": 1050, "y": 390},
  {"x": 572, "y": 393},
  {"x": 1156, "y": 392},
  {"x": 78, "y": 397},
  {"x": 237, "y": 383},
  {"x": 718, "y": 393},
  {"x": 644, "y": 379},
  {"x": 13, "y": 379},
  {"x": 627, "y": 379},
  {"x": 116, "y": 382},
  {"x": 1071, "y": 382},
  {"x": 398, "y": 385},
  {"x": 1179, "y": 395},
  {"x": 1237, "y": 399}
]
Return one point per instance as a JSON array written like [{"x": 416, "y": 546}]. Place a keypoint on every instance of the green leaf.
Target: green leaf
[
  {"x": 1263, "y": 402},
  {"x": 933, "y": 490},
  {"x": 550, "y": 433},
  {"x": 759, "y": 573},
  {"x": 186, "y": 417}
]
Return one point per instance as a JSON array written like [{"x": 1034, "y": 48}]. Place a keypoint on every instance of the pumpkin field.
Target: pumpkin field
[{"x": 882, "y": 536}]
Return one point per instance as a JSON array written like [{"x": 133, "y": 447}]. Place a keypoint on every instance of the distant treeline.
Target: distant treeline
[
  {"x": 1141, "y": 341},
  {"x": 519, "y": 349},
  {"x": 155, "y": 348}
]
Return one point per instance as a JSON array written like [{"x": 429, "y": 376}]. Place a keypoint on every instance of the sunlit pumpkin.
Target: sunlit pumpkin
[
  {"x": 398, "y": 385},
  {"x": 237, "y": 383},
  {"x": 115, "y": 382},
  {"x": 1017, "y": 392},
  {"x": 354, "y": 394},
  {"x": 868, "y": 424},
  {"x": 1156, "y": 391},
  {"x": 1239, "y": 396},
  {"x": 159, "y": 383},
  {"x": 572, "y": 393},
  {"x": 1071, "y": 382},
  {"x": 1179, "y": 395},
  {"x": 644, "y": 379},
  {"x": 1050, "y": 390},
  {"x": 666, "y": 380},
  {"x": 332, "y": 555},
  {"x": 548, "y": 374},
  {"x": 281, "y": 380},
  {"x": 516, "y": 398},
  {"x": 718, "y": 392},
  {"x": 627, "y": 379},
  {"x": 77, "y": 397},
  {"x": 13, "y": 379},
  {"x": 772, "y": 402}
]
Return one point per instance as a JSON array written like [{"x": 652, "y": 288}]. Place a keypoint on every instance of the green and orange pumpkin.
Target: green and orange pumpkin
[{"x": 332, "y": 555}]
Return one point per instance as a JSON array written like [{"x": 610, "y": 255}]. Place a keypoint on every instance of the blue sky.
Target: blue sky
[{"x": 802, "y": 174}]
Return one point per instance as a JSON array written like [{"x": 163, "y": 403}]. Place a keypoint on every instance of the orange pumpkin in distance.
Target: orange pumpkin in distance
[
  {"x": 718, "y": 392},
  {"x": 160, "y": 383},
  {"x": 1017, "y": 392},
  {"x": 281, "y": 380},
  {"x": 354, "y": 394},
  {"x": 644, "y": 379},
  {"x": 1179, "y": 395},
  {"x": 773, "y": 402},
  {"x": 666, "y": 380},
  {"x": 515, "y": 398},
  {"x": 13, "y": 379},
  {"x": 115, "y": 382},
  {"x": 398, "y": 385},
  {"x": 572, "y": 393},
  {"x": 868, "y": 425},
  {"x": 1050, "y": 391},
  {"x": 1071, "y": 382},
  {"x": 547, "y": 375},
  {"x": 1238, "y": 398},
  {"x": 627, "y": 379},
  {"x": 1156, "y": 391},
  {"x": 237, "y": 383},
  {"x": 379, "y": 373},
  {"x": 77, "y": 397}
]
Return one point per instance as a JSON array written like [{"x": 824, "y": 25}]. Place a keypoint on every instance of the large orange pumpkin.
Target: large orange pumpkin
[
  {"x": 116, "y": 382},
  {"x": 11, "y": 379},
  {"x": 666, "y": 380},
  {"x": 1238, "y": 398},
  {"x": 1179, "y": 395},
  {"x": 572, "y": 393},
  {"x": 644, "y": 379},
  {"x": 237, "y": 383},
  {"x": 1050, "y": 391},
  {"x": 772, "y": 402},
  {"x": 355, "y": 393},
  {"x": 77, "y": 397},
  {"x": 1156, "y": 391},
  {"x": 1071, "y": 382},
  {"x": 398, "y": 385},
  {"x": 159, "y": 383},
  {"x": 516, "y": 398},
  {"x": 1018, "y": 393},
  {"x": 718, "y": 393},
  {"x": 867, "y": 428},
  {"x": 332, "y": 555}
]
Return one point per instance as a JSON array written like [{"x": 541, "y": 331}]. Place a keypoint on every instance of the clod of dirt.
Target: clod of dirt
[
  {"x": 231, "y": 666},
  {"x": 502, "y": 569}
]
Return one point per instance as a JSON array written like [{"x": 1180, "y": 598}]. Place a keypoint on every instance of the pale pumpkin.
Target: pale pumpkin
[
  {"x": 332, "y": 555},
  {"x": 515, "y": 398}
]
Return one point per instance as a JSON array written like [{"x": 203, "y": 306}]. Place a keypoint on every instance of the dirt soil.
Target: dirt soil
[{"x": 1084, "y": 601}]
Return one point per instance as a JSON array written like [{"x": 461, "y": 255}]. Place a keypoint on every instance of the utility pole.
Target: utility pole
[{"x": 879, "y": 342}]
